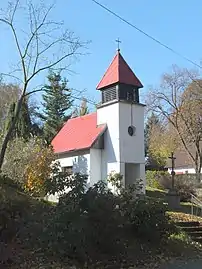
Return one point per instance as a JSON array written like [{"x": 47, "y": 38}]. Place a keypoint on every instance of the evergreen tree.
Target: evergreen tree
[
  {"x": 23, "y": 127},
  {"x": 56, "y": 102},
  {"x": 152, "y": 123}
]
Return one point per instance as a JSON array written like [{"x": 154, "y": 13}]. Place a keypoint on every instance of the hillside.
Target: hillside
[{"x": 24, "y": 222}]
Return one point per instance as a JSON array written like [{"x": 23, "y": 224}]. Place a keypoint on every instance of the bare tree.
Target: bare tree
[
  {"x": 42, "y": 46},
  {"x": 81, "y": 110},
  {"x": 83, "y": 107},
  {"x": 179, "y": 101}
]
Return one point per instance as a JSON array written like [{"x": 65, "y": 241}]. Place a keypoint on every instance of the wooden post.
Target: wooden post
[{"x": 192, "y": 209}]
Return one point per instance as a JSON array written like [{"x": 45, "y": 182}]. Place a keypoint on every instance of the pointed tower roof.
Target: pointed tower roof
[{"x": 119, "y": 72}]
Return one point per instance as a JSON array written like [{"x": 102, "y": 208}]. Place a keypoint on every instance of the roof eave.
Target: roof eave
[
  {"x": 71, "y": 151},
  {"x": 85, "y": 148},
  {"x": 100, "y": 88}
]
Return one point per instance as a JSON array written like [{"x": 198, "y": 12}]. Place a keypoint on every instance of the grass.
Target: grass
[
  {"x": 156, "y": 193},
  {"x": 185, "y": 207},
  {"x": 148, "y": 189}
]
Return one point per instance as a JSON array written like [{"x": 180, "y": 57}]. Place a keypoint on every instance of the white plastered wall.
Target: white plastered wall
[
  {"x": 110, "y": 154},
  {"x": 80, "y": 161},
  {"x": 95, "y": 166},
  {"x": 119, "y": 147}
]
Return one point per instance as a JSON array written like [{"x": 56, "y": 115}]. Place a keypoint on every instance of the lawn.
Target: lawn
[
  {"x": 185, "y": 207},
  {"x": 156, "y": 193}
]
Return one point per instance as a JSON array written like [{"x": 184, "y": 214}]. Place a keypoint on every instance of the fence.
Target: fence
[{"x": 198, "y": 203}]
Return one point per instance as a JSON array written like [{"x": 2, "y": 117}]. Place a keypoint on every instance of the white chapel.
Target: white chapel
[{"x": 112, "y": 138}]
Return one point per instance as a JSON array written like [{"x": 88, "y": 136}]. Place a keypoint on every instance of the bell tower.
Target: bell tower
[
  {"x": 119, "y": 82},
  {"x": 123, "y": 113}
]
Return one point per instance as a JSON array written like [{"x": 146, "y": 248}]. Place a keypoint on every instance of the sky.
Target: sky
[{"x": 175, "y": 23}]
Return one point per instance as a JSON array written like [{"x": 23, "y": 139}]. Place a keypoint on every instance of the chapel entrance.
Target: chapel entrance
[{"x": 132, "y": 173}]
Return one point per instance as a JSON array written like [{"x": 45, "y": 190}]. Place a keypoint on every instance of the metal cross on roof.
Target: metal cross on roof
[{"x": 118, "y": 42}]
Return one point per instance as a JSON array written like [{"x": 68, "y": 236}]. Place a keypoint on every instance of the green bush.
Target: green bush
[
  {"x": 87, "y": 224},
  {"x": 184, "y": 184},
  {"x": 12, "y": 210},
  {"x": 148, "y": 219},
  {"x": 90, "y": 227},
  {"x": 158, "y": 179},
  {"x": 94, "y": 225},
  {"x": 185, "y": 187},
  {"x": 10, "y": 219}
]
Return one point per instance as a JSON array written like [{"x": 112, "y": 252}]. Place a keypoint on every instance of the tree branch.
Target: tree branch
[
  {"x": 36, "y": 29},
  {"x": 49, "y": 66},
  {"x": 12, "y": 76},
  {"x": 34, "y": 91},
  {"x": 14, "y": 10},
  {"x": 32, "y": 61}
]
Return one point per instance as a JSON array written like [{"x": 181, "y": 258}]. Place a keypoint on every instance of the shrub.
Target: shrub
[
  {"x": 19, "y": 155},
  {"x": 5, "y": 180},
  {"x": 185, "y": 187},
  {"x": 82, "y": 222},
  {"x": 148, "y": 218},
  {"x": 10, "y": 219},
  {"x": 158, "y": 179},
  {"x": 38, "y": 170},
  {"x": 12, "y": 209},
  {"x": 184, "y": 184},
  {"x": 91, "y": 226},
  {"x": 30, "y": 165},
  {"x": 115, "y": 181},
  {"x": 94, "y": 225},
  {"x": 57, "y": 181}
]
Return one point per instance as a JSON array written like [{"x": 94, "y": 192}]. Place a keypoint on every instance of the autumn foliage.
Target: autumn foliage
[
  {"x": 39, "y": 170},
  {"x": 30, "y": 165}
]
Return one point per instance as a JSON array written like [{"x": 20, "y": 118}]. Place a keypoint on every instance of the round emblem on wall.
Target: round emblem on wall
[{"x": 131, "y": 130}]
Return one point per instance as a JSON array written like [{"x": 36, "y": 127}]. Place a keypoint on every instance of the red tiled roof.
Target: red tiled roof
[
  {"x": 78, "y": 133},
  {"x": 119, "y": 71}
]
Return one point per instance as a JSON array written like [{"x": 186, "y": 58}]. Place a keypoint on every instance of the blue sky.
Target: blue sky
[{"x": 175, "y": 23}]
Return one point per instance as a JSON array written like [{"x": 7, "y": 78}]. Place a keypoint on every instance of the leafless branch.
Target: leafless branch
[
  {"x": 11, "y": 76},
  {"x": 40, "y": 43},
  {"x": 177, "y": 100}
]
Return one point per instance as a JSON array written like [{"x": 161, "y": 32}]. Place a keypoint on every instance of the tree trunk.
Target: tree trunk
[
  {"x": 198, "y": 175},
  {"x": 199, "y": 171},
  {"x": 198, "y": 163},
  {"x": 9, "y": 132}
]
